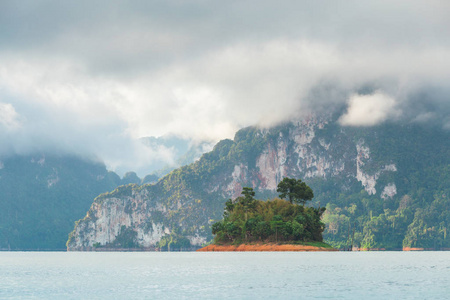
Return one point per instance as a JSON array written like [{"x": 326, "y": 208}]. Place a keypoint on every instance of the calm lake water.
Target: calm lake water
[{"x": 247, "y": 275}]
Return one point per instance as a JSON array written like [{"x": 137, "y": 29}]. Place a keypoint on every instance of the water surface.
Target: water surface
[{"x": 220, "y": 275}]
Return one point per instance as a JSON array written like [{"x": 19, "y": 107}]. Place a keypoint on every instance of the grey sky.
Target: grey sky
[{"x": 92, "y": 76}]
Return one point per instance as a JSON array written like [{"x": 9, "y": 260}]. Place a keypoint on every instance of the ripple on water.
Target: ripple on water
[{"x": 250, "y": 275}]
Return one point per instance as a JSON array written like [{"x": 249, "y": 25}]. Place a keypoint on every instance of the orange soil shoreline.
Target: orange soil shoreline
[{"x": 262, "y": 247}]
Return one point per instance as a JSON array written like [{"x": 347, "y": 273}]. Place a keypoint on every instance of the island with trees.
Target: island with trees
[{"x": 280, "y": 224}]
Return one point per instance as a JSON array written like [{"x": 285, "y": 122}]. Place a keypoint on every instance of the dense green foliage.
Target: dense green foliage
[
  {"x": 412, "y": 220},
  {"x": 174, "y": 242},
  {"x": 249, "y": 220},
  {"x": 295, "y": 190},
  {"x": 416, "y": 214}
]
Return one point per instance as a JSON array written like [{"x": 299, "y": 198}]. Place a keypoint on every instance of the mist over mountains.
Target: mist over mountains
[
  {"x": 388, "y": 183},
  {"x": 87, "y": 80},
  {"x": 180, "y": 151},
  {"x": 394, "y": 171},
  {"x": 43, "y": 194},
  {"x": 94, "y": 80}
]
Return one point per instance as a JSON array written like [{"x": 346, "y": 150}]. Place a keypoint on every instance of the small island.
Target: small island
[{"x": 280, "y": 224}]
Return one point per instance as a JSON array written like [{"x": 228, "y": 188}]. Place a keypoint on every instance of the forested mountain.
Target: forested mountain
[
  {"x": 43, "y": 195},
  {"x": 389, "y": 184}
]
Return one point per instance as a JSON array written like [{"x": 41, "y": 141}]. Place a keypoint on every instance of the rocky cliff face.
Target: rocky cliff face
[
  {"x": 333, "y": 160},
  {"x": 303, "y": 150},
  {"x": 108, "y": 216}
]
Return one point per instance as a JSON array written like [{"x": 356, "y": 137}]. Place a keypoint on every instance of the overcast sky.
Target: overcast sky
[{"x": 90, "y": 77}]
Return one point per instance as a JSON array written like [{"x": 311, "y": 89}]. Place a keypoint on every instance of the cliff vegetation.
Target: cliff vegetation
[{"x": 383, "y": 187}]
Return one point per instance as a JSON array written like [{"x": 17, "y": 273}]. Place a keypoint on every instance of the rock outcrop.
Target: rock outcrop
[{"x": 183, "y": 205}]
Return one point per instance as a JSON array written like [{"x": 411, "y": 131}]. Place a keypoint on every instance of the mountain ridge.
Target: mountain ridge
[{"x": 361, "y": 174}]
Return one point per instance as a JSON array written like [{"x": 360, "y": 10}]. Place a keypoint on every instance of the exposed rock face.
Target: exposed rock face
[
  {"x": 272, "y": 166},
  {"x": 239, "y": 176},
  {"x": 188, "y": 200},
  {"x": 389, "y": 191},
  {"x": 108, "y": 217},
  {"x": 370, "y": 180}
]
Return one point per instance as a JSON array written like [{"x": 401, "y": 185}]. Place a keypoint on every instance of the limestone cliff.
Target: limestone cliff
[{"x": 187, "y": 201}]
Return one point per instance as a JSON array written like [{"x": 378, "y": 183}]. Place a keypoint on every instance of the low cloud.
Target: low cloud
[
  {"x": 92, "y": 78},
  {"x": 369, "y": 110},
  {"x": 9, "y": 118}
]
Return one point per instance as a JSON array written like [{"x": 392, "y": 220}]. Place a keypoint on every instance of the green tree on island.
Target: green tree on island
[
  {"x": 247, "y": 202},
  {"x": 294, "y": 190},
  {"x": 247, "y": 219}
]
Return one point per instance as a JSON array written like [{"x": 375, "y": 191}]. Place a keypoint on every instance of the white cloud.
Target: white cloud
[
  {"x": 369, "y": 110},
  {"x": 9, "y": 118},
  {"x": 91, "y": 78}
]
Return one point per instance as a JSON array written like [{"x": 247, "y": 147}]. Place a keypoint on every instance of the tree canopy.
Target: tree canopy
[
  {"x": 247, "y": 219},
  {"x": 294, "y": 190}
]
